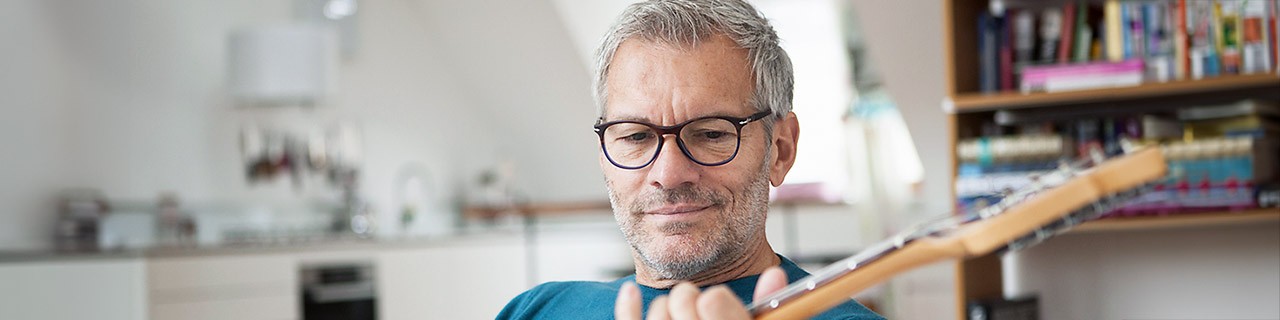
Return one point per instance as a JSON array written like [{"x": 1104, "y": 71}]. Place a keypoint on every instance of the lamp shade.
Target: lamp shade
[{"x": 282, "y": 64}]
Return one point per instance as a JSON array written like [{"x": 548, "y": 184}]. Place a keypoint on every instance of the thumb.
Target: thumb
[
  {"x": 627, "y": 307},
  {"x": 772, "y": 280}
]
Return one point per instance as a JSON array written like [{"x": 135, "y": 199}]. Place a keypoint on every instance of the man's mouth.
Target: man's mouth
[{"x": 675, "y": 209}]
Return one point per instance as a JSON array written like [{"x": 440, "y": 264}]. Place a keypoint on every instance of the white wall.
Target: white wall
[
  {"x": 33, "y": 147},
  {"x": 904, "y": 42},
  {"x": 128, "y": 97},
  {"x": 515, "y": 58},
  {"x": 1230, "y": 272}
]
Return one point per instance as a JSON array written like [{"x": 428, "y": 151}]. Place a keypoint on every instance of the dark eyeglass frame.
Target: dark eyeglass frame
[{"x": 662, "y": 131}]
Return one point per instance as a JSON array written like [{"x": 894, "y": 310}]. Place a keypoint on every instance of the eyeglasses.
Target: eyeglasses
[{"x": 708, "y": 141}]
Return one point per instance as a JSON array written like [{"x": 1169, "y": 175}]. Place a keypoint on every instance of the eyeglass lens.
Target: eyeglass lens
[{"x": 707, "y": 141}]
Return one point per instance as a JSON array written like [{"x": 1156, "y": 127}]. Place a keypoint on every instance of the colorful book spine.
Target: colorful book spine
[
  {"x": 988, "y": 48},
  {"x": 1176, "y": 39},
  {"x": 1006, "y": 52},
  {"x": 1275, "y": 34},
  {"x": 1024, "y": 37},
  {"x": 1179, "y": 15},
  {"x": 1137, "y": 33},
  {"x": 1254, "y": 48},
  {"x": 1115, "y": 30},
  {"x": 1050, "y": 33},
  {"x": 1202, "y": 51},
  {"x": 1012, "y": 149},
  {"x": 1055, "y": 78},
  {"x": 1158, "y": 62},
  {"x": 1068, "y": 32},
  {"x": 1083, "y": 33},
  {"x": 1229, "y": 39}
]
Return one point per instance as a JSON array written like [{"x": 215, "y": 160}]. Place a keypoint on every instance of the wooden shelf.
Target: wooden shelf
[
  {"x": 1224, "y": 89},
  {"x": 1181, "y": 221}
]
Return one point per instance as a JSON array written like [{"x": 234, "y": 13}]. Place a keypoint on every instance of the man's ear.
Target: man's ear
[{"x": 786, "y": 134}]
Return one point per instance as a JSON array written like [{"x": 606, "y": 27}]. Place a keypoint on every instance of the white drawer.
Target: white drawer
[
  {"x": 285, "y": 307},
  {"x": 164, "y": 274}
]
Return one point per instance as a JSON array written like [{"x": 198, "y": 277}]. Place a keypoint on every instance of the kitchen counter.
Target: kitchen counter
[
  {"x": 36, "y": 255},
  {"x": 330, "y": 243}
]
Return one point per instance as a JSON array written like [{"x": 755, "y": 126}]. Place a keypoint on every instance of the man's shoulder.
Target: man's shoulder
[{"x": 555, "y": 300}]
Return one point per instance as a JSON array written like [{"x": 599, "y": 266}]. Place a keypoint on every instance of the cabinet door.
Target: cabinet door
[
  {"x": 84, "y": 289},
  {"x": 223, "y": 287},
  {"x": 463, "y": 281}
]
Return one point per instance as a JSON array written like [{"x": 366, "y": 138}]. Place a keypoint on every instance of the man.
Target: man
[{"x": 695, "y": 123}]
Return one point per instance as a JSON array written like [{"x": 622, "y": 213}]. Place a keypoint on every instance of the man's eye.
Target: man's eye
[
  {"x": 638, "y": 136},
  {"x": 714, "y": 134}
]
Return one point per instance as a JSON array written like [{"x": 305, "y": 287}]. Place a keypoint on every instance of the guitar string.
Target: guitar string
[{"x": 949, "y": 222}]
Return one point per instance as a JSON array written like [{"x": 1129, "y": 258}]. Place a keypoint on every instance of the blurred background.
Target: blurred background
[{"x": 399, "y": 159}]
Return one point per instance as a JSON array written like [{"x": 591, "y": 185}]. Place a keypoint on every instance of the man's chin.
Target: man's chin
[
  {"x": 682, "y": 249},
  {"x": 678, "y": 267}
]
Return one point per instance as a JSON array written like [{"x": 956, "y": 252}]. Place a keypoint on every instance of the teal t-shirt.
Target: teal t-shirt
[{"x": 594, "y": 300}]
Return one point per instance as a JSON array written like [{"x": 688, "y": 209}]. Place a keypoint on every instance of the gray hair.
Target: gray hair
[{"x": 689, "y": 23}]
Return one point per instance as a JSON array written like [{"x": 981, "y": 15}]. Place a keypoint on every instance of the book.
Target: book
[
  {"x": 1083, "y": 33},
  {"x": 1093, "y": 75},
  {"x": 1115, "y": 31},
  {"x": 1050, "y": 33},
  {"x": 1010, "y": 149},
  {"x": 1275, "y": 34},
  {"x": 1254, "y": 48},
  {"x": 1202, "y": 51},
  {"x": 1136, "y": 35},
  {"x": 1006, "y": 51},
  {"x": 1024, "y": 36},
  {"x": 1227, "y": 15},
  {"x": 988, "y": 53},
  {"x": 1066, "y": 38},
  {"x": 1181, "y": 64},
  {"x": 1159, "y": 45},
  {"x": 1238, "y": 109}
]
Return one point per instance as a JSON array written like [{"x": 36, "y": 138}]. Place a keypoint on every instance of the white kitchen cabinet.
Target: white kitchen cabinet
[
  {"x": 462, "y": 278},
  {"x": 100, "y": 289},
  {"x": 255, "y": 286},
  {"x": 460, "y": 281}
]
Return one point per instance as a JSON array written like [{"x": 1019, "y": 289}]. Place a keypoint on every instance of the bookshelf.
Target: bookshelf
[
  {"x": 968, "y": 107},
  {"x": 1222, "y": 89}
]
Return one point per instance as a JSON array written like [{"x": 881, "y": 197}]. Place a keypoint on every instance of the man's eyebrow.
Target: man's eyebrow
[
  {"x": 646, "y": 120},
  {"x": 627, "y": 118}
]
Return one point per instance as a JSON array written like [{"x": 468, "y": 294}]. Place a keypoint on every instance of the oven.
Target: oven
[{"x": 339, "y": 291}]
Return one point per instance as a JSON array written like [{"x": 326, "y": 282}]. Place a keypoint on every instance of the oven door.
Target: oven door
[{"x": 339, "y": 292}]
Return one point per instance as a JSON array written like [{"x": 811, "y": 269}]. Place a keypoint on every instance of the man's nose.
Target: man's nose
[{"x": 672, "y": 168}]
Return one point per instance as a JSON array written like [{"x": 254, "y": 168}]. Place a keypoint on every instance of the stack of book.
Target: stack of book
[
  {"x": 1223, "y": 157},
  {"x": 1096, "y": 44}
]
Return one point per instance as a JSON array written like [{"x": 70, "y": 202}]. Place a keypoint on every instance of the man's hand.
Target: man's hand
[{"x": 687, "y": 302}]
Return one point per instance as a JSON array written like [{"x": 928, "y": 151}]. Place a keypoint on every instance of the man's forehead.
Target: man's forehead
[{"x": 659, "y": 83}]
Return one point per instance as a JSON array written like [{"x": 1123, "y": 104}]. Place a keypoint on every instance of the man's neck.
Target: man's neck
[{"x": 754, "y": 262}]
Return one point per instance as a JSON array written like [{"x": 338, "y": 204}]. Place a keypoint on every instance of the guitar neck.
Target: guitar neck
[{"x": 1036, "y": 215}]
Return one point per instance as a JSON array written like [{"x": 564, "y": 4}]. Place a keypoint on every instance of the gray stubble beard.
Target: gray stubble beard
[{"x": 743, "y": 222}]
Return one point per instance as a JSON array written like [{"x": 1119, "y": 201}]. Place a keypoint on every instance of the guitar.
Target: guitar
[{"x": 1052, "y": 204}]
